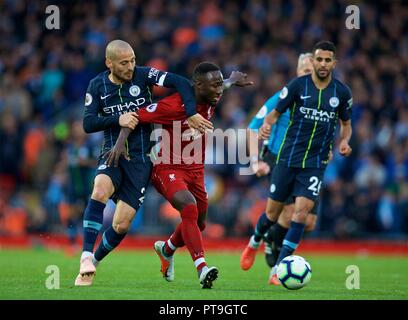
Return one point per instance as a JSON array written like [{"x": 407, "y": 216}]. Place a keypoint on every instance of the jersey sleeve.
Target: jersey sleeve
[
  {"x": 93, "y": 122},
  {"x": 165, "y": 111},
  {"x": 172, "y": 80},
  {"x": 346, "y": 103},
  {"x": 287, "y": 96},
  {"x": 269, "y": 105}
]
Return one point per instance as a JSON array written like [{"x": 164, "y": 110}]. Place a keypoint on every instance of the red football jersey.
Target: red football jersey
[{"x": 179, "y": 145}]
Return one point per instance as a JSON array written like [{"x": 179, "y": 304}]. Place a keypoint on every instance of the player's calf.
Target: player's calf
[{"x": 110, "y": 240}]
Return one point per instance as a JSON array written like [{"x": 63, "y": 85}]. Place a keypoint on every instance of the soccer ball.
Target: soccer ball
[{"x": 294, "y": 272}]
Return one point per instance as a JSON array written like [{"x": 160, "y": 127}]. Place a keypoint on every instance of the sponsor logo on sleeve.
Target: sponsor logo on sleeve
[
  {"x": 262, "y": 112},
  {"x": 284, "y": 93},
  {"x": 152, "y": 107},
  {"x": 102, "y": 167},
  {"x": 88, "y": 99},
  {"x": 153, "y": 73}
]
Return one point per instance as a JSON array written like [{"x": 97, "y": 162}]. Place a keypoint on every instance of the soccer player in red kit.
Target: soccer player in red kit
[{"x": 178, "y": 172}]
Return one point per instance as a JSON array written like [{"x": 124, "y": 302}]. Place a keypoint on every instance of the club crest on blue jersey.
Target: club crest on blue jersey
[
  {"x": 334, "y": 102},
  {"x": 134, "y": 90}
]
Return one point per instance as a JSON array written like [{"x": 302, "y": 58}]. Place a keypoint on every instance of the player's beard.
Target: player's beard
[
  {"x": 328, "y": 72},
  {"x": 123, "y": 77}
]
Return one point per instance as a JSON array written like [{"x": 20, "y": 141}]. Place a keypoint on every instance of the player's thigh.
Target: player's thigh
[
  {"x": 308, "y": 183},
  {"x": 282, "y": 181},
  {"x": 135, "y": 178},
  {"x": 196, "y": 185},
  {"x": 169, "y": 182},
  {"x": 106, "y": 181}
]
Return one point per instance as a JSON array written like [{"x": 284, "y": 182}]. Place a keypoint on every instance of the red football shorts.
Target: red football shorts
[{"x": 168, "y": 181}]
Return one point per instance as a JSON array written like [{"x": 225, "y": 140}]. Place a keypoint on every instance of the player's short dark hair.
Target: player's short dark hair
[
  {"x": 325, "y": 45},
  {"x": 203, "y": 67}
]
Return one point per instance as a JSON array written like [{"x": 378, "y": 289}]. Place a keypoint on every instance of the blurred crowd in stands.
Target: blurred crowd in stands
[{"x": 47, "y": 162}]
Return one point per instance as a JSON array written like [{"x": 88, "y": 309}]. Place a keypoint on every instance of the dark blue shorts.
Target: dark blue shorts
[
  {"x": 295, "y": 182},
  {"x": 130, "y": 180},
  {"x": 270, "y": 159}
]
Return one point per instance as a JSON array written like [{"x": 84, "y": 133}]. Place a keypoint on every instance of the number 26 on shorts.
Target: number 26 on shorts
[{"x": 315, "y": 186}]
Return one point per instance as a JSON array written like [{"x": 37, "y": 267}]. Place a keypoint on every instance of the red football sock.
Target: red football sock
[
  {"x": 175, "y": 240},
  {"x": 192, "y": 235}
]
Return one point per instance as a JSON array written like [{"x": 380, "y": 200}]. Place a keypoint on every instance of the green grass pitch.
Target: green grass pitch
[{"x": 135, "y": 275}]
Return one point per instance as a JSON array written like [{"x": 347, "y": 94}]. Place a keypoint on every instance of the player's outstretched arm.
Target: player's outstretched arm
[
  {"x": 345, "y": 136},
  {"x": 237, "y": 78}
]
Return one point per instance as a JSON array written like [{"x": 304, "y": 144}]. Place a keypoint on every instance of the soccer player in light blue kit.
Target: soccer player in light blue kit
[{"x": 263, "y": 164}]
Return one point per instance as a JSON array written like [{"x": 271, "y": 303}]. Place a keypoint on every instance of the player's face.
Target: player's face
[
  {"x": 123, "y": 65},
  {"x": 305, "y": 68},
  {"x": 323, "y": 63},
  {"x": 210, "y": 87}
]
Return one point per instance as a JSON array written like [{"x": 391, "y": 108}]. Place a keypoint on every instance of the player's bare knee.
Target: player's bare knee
[
  {"x": 272, "y": 214},
  {"x": 286, "y": 216},
  {"x": 300, "y": 216},
  {"x": 309, "y": 227},
  {"x": 273, "y": 209},
  {"x": 121, "y": 227},
  {"x": 310, "y": 223},
  {"x": 188, "y": 203},
  {"x": 100, "y": 194},
  {"x": 183, "y": 199}
]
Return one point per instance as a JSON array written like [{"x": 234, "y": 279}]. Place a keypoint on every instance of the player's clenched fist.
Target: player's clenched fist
[
  {"x": 264, "y": 131},
  {"x": 344, "y": 148},
  {"x": 128, "y": 120},
  {"x": 261, "y": 168}
]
